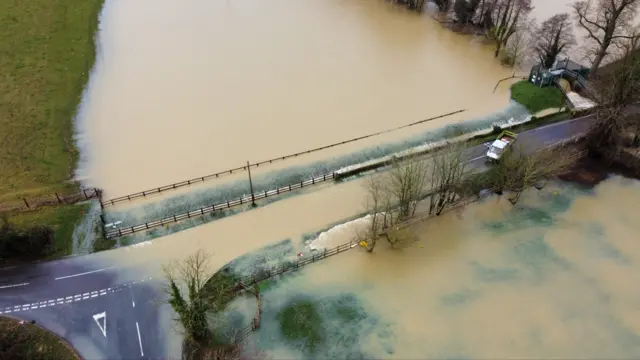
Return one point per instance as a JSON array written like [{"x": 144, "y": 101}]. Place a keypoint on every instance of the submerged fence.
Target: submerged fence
[
  {"x": 51, "y": 200},
  {"x": 249, "y": 199},
  {"x": 200, "y": 179},
  {"x": 251, "y": 280}
]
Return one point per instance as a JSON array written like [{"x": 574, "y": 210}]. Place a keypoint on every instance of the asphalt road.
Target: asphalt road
[{"x": 109, "y": 311}]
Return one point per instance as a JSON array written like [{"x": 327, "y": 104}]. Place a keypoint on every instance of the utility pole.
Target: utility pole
[{"x": 253, "y": 198}]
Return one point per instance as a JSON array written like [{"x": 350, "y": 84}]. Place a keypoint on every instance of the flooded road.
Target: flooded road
[{"x": 186, "y": 89}]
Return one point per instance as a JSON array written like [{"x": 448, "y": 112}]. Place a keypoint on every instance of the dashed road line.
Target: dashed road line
[
  {"x": 14, "y": 285},
  {"x": 67, "y": 299}
]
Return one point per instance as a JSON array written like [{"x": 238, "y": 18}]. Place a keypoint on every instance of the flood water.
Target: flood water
[
  {"x": 184, "y": 89},
  {"x": 552, "y": 277}
]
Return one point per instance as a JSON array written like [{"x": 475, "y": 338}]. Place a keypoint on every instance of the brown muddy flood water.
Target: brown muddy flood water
[
  {"x": 553, "y": 277},
  {"x": 184, "y": 89}
]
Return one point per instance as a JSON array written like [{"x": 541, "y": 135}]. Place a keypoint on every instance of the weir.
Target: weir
[
  {"x": 200, "y": 179},
  {"x": 472, "y": 154}
]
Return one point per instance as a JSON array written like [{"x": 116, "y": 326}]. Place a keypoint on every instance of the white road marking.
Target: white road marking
[
  {"x": 134, "y": 303},
  {"x": 84, "y": 273},
  {"x": 70, "y": 299},
  {"x": 14, "y": 285},
  {"x": 139, "y": 339},
  {"x": 103, "y": 328}
]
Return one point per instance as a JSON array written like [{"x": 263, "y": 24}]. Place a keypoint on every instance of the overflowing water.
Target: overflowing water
[
  {"x": 551, "y": 277},
  {"x": 185, "y": 89}
]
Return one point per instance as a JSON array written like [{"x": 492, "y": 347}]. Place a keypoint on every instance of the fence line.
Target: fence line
[
  {"x": 51, "y": 200},
  {"x": 263, "y": 275},
  {"x": 248, "y": 199},
  {"x": 257, "y": 164},
  {"x": 114, "y": 233}
]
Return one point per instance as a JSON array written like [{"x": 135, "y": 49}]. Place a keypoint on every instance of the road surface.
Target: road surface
[{"x": 108, "y": 308}]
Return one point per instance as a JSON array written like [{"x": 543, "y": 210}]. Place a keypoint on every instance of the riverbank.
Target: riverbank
[{"x": 49, "y": 52}]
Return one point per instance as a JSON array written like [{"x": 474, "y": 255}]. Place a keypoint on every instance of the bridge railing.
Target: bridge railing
[{"x": 247, "y": 199}]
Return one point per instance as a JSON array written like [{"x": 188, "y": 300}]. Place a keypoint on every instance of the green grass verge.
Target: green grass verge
[
  {"x": 63, "y": 220},
  {"x": 534, "y": 123},
  {"x": 27, "y": 341},
  {"x": 536, "y": 99},
  {"x": 102, "y": 244},
  {"x": 46, "y": 53}
]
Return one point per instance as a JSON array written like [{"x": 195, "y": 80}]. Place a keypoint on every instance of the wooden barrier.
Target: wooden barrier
[
  {"x": 260, "y": 276},
  {"x": 51, "y": 200},
  {"x": 200, "y": 179},
  {"x": 114, "y": 233}
]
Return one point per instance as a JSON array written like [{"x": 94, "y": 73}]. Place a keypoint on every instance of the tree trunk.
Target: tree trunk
[
  {"x": 598, "y": 60},
  {"x": 498, "y": 47}
]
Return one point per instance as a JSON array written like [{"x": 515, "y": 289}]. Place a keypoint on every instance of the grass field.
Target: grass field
[
  {"x": 536, "y": 99},
  {"x": 62, "y": 219},
  {"x": 27, "y": 341},
  {"x": 46, "y": 53}
]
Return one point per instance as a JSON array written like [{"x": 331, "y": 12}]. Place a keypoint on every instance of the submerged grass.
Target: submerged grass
[
  {"x": 300, "y": 321},
  {"x": 205, "y": 197}
]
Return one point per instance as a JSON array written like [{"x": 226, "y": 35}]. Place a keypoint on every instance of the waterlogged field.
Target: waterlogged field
[
  {"x": 269, "y": 177},
  {"x": 553, "y": 277}
]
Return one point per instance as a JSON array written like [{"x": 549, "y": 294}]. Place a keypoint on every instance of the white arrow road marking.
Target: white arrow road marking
[{"x": 103, "y": 328}]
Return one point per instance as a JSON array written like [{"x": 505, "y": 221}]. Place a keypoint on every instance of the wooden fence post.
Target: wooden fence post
[
  {"x": 86, "y": 197},
  {"x": 253, "y": 198},
  {"x": 58, "y": 197}
]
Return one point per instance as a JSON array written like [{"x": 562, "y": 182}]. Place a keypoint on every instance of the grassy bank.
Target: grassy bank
[
  {"x": 536, "y": 99},
  {"x": 47, "y": 52},
  {"x": 62, "y": 220},
  {"x": 27, "y": 341}
]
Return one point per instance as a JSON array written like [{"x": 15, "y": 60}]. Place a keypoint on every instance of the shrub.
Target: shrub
[{"x": 17, "y": 243}]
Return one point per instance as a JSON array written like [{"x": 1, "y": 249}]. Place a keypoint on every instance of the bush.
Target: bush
[{"x": 30, "y": 243}]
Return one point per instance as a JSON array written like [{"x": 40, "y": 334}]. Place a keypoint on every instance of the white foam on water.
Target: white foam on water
[{"x": 341, "y": 234}]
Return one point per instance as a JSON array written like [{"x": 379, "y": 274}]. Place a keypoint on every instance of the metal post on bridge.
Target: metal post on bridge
[{"x": 253, "y": 198}]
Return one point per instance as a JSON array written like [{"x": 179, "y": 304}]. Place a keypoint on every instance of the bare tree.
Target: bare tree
[
  {"x": 443, "y": 5},
  {"x": 186, "y": 280},
  {"x": 392, "y": 197},
  {"x": 607, "y": 22},
  {"x": 448, "y": 170},
  {"x": 518, "y": 46},
  {"x": 518, "y": 171},
  {"x": 552, "y": 37},
  {"x": 504, "y": 17},
  {"x": 616, "y": 88}
]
